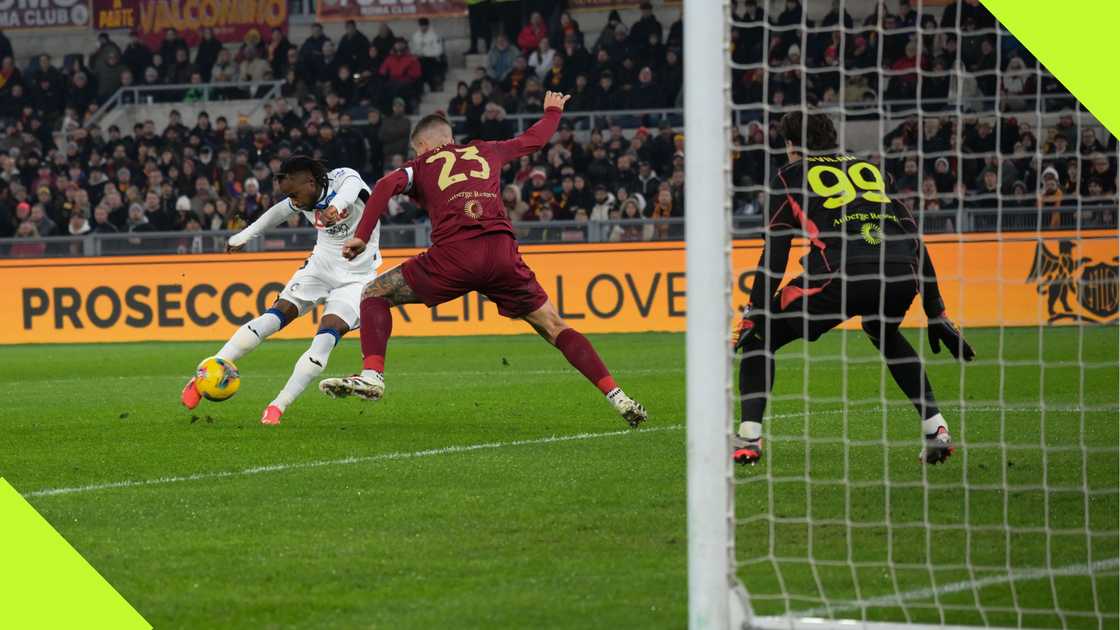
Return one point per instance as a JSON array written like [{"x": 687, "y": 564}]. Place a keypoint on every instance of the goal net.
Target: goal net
[{"x": 1013, "y": 185}]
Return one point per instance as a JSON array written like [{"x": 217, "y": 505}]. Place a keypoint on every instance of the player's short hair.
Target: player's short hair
[
  {"x": 819, "y": 132},
  {"x": 431, "y": 121},
  {"x": 305, "y": 164}
]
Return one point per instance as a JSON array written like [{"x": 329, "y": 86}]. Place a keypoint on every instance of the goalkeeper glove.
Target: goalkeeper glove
[
  {"x": 749, "y": 325},
  {"x": 943, "y": 330}
]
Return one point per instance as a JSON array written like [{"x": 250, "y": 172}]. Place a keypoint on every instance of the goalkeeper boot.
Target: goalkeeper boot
[
  {"x": 369, "y": 385},
  {"x": 746, "y": 444},
  {"x": 631, "y": 410},
  {"x": 190, "y": 396},
  {"x": 746, "y": 452},
  {"x": 938, "y": 447}
]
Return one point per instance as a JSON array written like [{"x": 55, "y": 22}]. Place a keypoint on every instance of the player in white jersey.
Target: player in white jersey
[{"x": 333, "y": 202}]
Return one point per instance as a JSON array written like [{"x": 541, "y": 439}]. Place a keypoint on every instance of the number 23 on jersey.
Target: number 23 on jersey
[
  {"x": 862, "y": 175},
  {"x": 449, "y": 159}
]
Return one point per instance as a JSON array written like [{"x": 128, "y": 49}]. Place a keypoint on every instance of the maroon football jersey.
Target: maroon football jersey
[{"x": 459, "y": 185}]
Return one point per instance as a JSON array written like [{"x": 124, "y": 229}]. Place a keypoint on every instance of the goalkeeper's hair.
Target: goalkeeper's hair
[
  {"x": 306, "y": 164},
  {"x": 819, "y": 132},
  {"x": 431, "y": 121}
]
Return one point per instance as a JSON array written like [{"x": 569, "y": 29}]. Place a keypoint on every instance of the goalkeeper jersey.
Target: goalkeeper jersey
[{"x": 845, "y": 207}]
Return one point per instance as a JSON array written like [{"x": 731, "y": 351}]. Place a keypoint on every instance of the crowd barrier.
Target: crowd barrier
[{"x": 987, "y": 280}]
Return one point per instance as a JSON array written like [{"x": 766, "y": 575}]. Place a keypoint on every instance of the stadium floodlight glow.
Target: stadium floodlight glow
[{"x": 837, "y": 527}]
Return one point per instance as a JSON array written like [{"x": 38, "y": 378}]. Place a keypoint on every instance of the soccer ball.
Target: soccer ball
[{"x": 217, "y": 379}]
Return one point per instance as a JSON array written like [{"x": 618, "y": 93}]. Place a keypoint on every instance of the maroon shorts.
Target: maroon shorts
[{"x": 489, "y": 264}]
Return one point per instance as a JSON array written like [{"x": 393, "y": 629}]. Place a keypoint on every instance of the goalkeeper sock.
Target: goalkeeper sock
[
  {"x": 749, "y": 430},
  {"x": 931, "y": 424},
  {"x": 251, "y": 335},
  {"x": 377, "y": 326},
  {"x": 308, "y": 367},
  {"x": 581, "y": 354}
]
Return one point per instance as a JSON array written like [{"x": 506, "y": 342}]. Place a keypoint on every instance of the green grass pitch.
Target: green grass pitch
[{"x": 348, "y": 515}]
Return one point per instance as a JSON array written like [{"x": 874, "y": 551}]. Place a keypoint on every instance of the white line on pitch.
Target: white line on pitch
[
  {"x": 130, "y": 483},
  {"x": 1100, "y": 566},
  {"x": 447, "y": 450},
  {"x": 256, "y": 470}
]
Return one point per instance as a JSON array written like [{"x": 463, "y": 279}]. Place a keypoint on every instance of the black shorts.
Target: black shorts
[{"x": 816, "y": 305}]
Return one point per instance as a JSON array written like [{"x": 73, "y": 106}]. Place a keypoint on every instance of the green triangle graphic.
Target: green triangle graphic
[
  {"x": 1076, "y": 42},
  {"x": 45, "y": 583}
]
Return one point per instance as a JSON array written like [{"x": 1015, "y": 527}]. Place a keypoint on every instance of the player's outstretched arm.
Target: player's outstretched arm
[
  {"x": 272, "y": 217},
  {"x": 540, "y": 133},
  {"x": 385, "y": 189}
]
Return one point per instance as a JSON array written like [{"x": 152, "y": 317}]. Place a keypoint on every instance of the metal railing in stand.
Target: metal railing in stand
[
  {"x": 148, "y": 94},
  {"x": 414, "y": 235}
]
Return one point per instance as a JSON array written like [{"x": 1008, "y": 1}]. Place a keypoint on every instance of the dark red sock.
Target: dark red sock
[
  {"x": 377, "y": 325},
  {"x": 581, "y": 354}
]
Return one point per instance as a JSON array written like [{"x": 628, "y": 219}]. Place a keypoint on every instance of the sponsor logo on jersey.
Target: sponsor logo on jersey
[
  {"x": 1095, "y": 287},
  {"x": 473, "y": 209}
]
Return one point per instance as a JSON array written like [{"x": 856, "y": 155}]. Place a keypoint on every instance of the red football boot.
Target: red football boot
[
  {"x": 190, "y": 396},
  {"x": 271, "y": 415}
]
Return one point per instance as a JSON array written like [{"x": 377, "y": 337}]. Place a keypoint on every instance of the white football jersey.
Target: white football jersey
[{"x": 331, "y": 239}]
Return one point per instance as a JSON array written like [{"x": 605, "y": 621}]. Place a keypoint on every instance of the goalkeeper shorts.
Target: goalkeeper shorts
[{"x": 817, "y": 304}]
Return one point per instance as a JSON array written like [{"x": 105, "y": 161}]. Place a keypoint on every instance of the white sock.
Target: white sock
[
  {"x": 309, "y": 366},
  {"x": 931, "y": 424},
  {"x": 372, "y": 375},
  {"x": 750, "y": 430},
  {"x": 250, "y": 336}
]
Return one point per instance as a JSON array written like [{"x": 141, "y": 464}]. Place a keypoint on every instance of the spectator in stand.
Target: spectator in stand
[
  {"x": 10, "y": 76},
  {"x": 663, "y": 209},
  {"x": 402, "y": 73},
  {"x": 277, "y": 53},
  {"x": 207, "y": 54},
  {"x": 353, "y": 45},
  {"x": 567, "y": 28},
  {"x": 253, "y": 68},
  {"x": 458, "y": 104},
  {"x": 179, "y": 70},
  {"x": 428, "y": 46},
  {"x": 137, "y": 56},
  {"x": 645, "y": 28},
  {"x": 533, "y": 32},
  {"x": 541, "y": 59},
  {"x": 395, "y": 129},
  {"x": 5, "y": 46},
  {"x": 500, "y": 59},
  {"x": 170, "y": 45},
  {"x": 494, "y": 124},
  {"x": 607, "y": 34},
  {"x": 105, "y": 45},
  {"x": 108, "y": 75},
  {"x": 514, "y": 83},
  {"x": 311, "y": 50},
  {"x": 1050, "y": 196},
  {"x": 479, "y": 18},
  {"x": 647, "y": 94},
  {"x": 224, "y": 70},
  {"x": 385, "y": 39},
  {"x": 555, "y": 78}
]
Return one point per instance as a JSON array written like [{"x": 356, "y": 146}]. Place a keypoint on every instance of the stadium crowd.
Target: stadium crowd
[{"x": 348, "y": 103}]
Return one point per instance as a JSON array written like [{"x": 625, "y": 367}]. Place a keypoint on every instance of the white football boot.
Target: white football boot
[{"x": 370, "y": 387}]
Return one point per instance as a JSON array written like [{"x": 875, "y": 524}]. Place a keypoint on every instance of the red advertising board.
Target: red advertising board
[
  {"x": 231, "y": 20},
  {"x": 338, "y": 10},
  {"x": 43, "y": 14}
]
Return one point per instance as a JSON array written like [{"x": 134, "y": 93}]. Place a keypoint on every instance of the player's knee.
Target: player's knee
[{"x": 284, "y": 310}]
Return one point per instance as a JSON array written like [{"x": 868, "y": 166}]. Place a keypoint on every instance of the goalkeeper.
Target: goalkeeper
[{"x": 865, "y": 258}]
